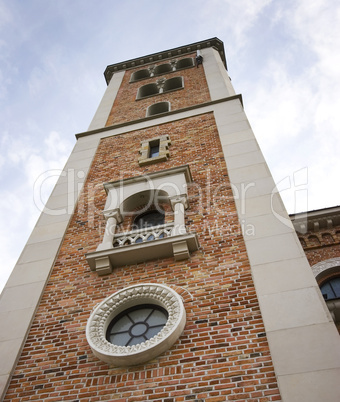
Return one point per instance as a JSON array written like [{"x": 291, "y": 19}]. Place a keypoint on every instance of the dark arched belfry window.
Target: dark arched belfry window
[
  {"x": 331, "y": 289},
  {"x": 149, "y": 219}
]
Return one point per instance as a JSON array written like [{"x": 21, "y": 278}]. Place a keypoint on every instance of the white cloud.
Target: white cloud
[
  {"x": 18, "y": 150},
  {"x": 56, "y": 146},
  {"x": 233, "y": 18},
  {"x": 294, "y": 105},
  {"x": 281, "y": 105},
  {"x": 18, "y": 211},
  {"x": 56, "y": 152}
]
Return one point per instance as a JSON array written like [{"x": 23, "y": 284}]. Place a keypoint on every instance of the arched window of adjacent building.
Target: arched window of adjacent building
[
  {"x": 327, "y": 238},
  {"x": 330, "y": 289},
  {"x": 327, "y": 275},
  {"x": 313, "y": 241}
]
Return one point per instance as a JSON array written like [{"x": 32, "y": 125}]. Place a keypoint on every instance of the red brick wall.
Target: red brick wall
[
  {"x": 321, "y": 245},
  {"x": 127, "y": 108},
  {"x": 223, "y": 352}
]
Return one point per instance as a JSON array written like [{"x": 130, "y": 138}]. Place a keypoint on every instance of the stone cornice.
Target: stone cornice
[
  {"x": 166, "y": 54},
  {"x": 149, "y": 118},
  {"x": 312, "y": 221},
  {"x": 184, "y": 169}
]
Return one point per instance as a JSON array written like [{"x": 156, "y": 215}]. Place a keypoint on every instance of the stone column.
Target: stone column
[
  {"x": 179, "y": 204},
  {"x": 173, "y": 64},
  {"x": 160, "y": 84},
  {"x": 113, "y": 218}
]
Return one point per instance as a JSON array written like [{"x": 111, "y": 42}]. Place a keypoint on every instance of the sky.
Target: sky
[{"x": 283, "y": 57}]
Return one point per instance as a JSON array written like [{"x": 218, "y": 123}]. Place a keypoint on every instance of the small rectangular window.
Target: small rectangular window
[{"x": 154, "y": 149}]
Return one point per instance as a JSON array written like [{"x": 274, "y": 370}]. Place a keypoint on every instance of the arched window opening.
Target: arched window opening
[
  {"x": 149, "y": 219},
  {"x": 163, "y": 69},
  {"x": 147, "y": 90},
  {"x": 313, "y": 241},
  {"x": 173, "y": 83},
  {"x": 327, "y": 238},
  {"x": 140, "y": 75},
  {"x": 185, "y": 63},
  {"x": 157, "y": 108},
  {"x": 331, "y": 288}
]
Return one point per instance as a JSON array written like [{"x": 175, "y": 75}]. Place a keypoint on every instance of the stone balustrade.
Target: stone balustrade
[{"x": 142, "y": 235}]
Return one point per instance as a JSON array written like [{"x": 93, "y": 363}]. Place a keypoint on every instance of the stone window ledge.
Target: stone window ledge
[{"x": 178, "y": 246}]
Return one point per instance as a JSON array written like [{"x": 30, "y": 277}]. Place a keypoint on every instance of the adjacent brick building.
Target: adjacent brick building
[
  {"x": 319, "y": 234},
  {"x": 164, "y": 267}
]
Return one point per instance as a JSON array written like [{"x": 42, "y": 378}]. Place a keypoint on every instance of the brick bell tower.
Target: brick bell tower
[{"x": 164, "y": 266}]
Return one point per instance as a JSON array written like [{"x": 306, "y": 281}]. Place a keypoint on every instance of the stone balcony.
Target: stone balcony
[
  {"x": 163, "y": 241},
  {"x": 142, "y": 235}
]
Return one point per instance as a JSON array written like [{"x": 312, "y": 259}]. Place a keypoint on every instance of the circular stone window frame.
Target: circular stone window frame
[{"x": 108, "y": 309}]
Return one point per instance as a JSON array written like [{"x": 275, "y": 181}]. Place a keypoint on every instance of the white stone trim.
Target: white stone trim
[
  {"x": 179, "y": 204},
  {"x": 105, "y": 312},
  {"x": 322, "y": 266},
  {"x": 102, "y": 114},
  {"x": 294, "y": 313},
  {"x": 179, "y": 247},
  {"x": 143, "y": 234},
  {"x": 217, "y": 77},
  {"x": 165, "y": 183},
  {"x": 169, "y": 185}
]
